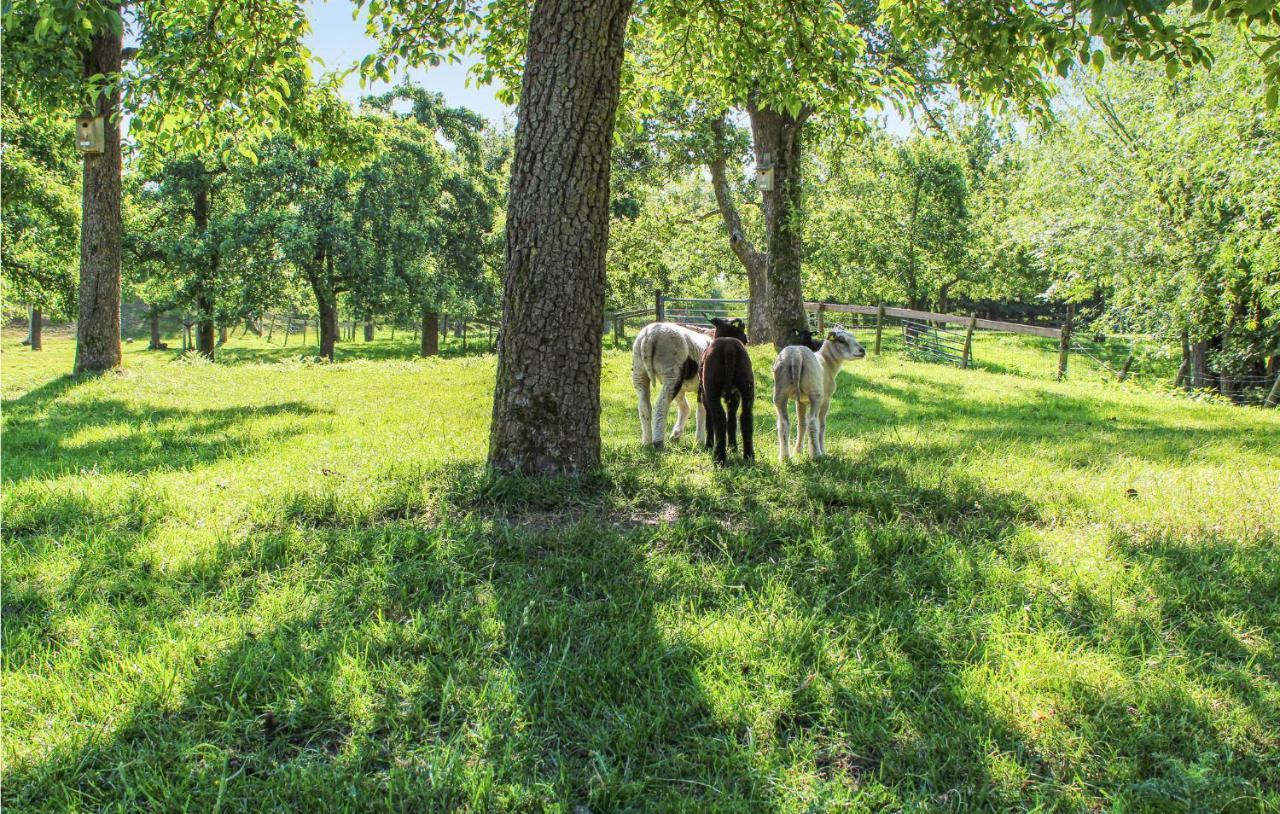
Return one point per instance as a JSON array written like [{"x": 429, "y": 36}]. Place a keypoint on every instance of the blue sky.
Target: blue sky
[{"x": 340, "y": 42}]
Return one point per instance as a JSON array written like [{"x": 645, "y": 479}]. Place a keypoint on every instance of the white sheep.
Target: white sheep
[
  {"x": 667, "y": 355},
  {"x": 809, "y": 378}
]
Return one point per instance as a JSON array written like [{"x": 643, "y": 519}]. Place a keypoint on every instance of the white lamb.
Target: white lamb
[
  {"x": 667, "y": 355},
  {"x": 809, "y": 378}
]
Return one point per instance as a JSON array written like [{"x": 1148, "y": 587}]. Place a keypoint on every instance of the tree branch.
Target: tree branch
[{"x": 749, "y": 256}]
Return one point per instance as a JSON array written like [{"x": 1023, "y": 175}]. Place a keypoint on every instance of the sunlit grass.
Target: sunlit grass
[{"x": 271, "y": 584}]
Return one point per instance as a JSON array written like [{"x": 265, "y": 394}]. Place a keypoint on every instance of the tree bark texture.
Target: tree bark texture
[
  {"x": 98, "y": 327},
  {"x": 546, "y": 406},
  {"x": 754, "y": 261},
  {"x": 430, "y": 332},
  {"x": 776, "y": 138}
]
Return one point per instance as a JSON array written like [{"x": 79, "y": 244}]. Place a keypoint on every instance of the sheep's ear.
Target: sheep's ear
[{"x": 737, "y": 323}]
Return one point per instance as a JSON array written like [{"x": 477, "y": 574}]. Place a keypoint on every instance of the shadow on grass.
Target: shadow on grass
[
  {"x": 1075, "y": 431},
  {"x": 40, "y": 434},
  {"x": 754, "y": 639}
]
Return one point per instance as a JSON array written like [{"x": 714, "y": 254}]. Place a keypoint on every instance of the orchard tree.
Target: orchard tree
[
  {"x": 438, "y": 248},
  {"x": 894, "y": 212},
  {"x": 194, "y": 69},
  {"x": 39, "y": 216},
  {"x": 405, "y": 218},
  {"x": 1158, "y": 195},
  {"x": 189, "y": 246}
]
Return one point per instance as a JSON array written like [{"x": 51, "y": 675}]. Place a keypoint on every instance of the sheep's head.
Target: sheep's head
[
  {"x": 844, "y": 345},
  {"x": 734, "y": 328},
  {"x": 804, "y": 339}
]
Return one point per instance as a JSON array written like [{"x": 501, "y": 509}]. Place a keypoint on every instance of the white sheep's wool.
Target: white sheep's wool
[{"x": 667, "y": 355}]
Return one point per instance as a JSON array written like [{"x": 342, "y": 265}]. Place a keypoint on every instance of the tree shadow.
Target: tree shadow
[
  {"x": 41, "y": 434},
  {"x": 500, "y": 654},
  {"x": 666, "y": 636},
  {"x": 1072, "y": 430}
]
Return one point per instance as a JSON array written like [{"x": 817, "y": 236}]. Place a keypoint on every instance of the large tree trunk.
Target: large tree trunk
[
  {"x": 34, "y": 326},
  {"x": 156, "y": 343},
  {"x": 328, "y": 325},
  {"x": 776, "y": 138},
  {"x": 430, "y": 331},
  {"x": 368, "y": 330},
  {"x": 546, "y": 406},
  {"x": 98, "y": 327},
  {"x": 755, "y": 262}
]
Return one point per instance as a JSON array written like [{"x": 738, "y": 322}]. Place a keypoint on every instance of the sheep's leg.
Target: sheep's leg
[
  {"x": 822, "y": 425},
  {"x": 748, "y": 430},
  {"x": 660, "y": 411},
  {"x": 700, "y": 423},
  {"x": 817, "y": 444},
  {"x": 682, "y": 415},
  {"x": 731, "y": 422},
  {"x": 716, "y": 420},
  {"x": 641, "y": 383},
  {"x": 784, "y": 429},
  {"x": 802, "y": 424}
]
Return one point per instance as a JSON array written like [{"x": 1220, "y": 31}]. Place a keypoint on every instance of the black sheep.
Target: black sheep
[
  {"x": 727, "y": 376},
  {"x": 804, "y": 339}
]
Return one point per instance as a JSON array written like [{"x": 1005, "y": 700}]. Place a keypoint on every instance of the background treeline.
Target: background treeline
[
  {"x": 1151, "y": 203},
  {"x": 393, "y": 215}
]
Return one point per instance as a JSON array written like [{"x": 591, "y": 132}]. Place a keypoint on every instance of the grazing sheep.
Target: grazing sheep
[
  {"x": 727, "y": 376},
  {"x": 810, "y": 378},
  {"x": 667, "y": 355}
]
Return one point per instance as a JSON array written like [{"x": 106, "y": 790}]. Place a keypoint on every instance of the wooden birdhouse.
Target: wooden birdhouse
[{"x": 90, "y": 134}]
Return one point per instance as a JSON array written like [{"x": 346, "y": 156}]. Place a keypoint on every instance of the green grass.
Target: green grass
[{"x": 268, "y": 584}]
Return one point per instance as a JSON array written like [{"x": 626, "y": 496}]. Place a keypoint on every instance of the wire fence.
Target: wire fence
[{"x": 999, "y": 346}]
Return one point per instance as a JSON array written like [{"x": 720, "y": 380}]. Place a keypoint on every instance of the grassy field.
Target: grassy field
[{"x": 269, "y": 584}]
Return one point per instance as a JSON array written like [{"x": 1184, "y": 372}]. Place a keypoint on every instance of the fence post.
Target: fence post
[
  {"x": 879, "y": 325},
  {"x": 305, "y": 323},
  {"x": 1064, "y": 344},
  {"x": 659, "y": 306},
  {"x": 822, "y": 325},
  {"x": 1273, "y": 397},
  {"x": 271, "y": 326},
  {"x": 967, "y": 355}
]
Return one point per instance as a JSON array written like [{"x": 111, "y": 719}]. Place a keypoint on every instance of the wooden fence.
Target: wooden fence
[{"x": 925, "y": 329}]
